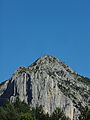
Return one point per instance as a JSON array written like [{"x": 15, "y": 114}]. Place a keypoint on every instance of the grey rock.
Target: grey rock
[{"x": 49, "y": 83}]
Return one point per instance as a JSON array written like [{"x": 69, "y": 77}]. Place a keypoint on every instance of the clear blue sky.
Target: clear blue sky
[{"x": 32, "y": 28}]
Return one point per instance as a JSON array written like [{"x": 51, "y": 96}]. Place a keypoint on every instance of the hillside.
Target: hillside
[{"x": 49, "y": 83}]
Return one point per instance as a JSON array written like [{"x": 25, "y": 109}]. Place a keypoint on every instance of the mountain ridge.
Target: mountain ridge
[{"x": 50, "y": 83}]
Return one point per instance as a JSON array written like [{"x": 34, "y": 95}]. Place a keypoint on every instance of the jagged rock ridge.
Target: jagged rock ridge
[{"x": 49, "y": 83}]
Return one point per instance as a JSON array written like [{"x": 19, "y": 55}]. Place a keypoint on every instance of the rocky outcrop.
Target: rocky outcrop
[{"x": 49, "y": 83}]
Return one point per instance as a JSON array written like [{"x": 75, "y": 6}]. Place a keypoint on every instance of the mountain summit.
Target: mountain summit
[{"x": 49, "y": 83}]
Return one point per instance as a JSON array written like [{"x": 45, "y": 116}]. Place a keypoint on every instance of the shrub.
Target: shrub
[{"x": 26, "y": 116}]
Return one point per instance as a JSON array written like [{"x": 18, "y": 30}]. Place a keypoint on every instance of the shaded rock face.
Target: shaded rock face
[{"x": 49, "y": 83}]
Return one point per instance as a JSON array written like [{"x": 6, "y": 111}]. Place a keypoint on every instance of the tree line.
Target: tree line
[{"x": 21, "y": 111}]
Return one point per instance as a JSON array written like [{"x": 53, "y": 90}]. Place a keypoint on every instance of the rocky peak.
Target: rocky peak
[{"x": 49, "y": 83}]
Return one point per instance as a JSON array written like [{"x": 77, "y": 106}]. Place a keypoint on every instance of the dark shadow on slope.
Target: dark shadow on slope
[
  {"x": 7, "y": 93},
  {"x": 29, "y": 89}
]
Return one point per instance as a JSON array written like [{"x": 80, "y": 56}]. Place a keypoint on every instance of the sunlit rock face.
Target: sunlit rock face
[{"x": 49, "y": 83}]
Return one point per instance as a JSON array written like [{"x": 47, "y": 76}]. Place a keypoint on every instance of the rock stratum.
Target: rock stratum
[{"x": 49, "y": 83}]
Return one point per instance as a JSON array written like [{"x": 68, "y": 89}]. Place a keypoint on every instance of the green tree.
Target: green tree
[
  {"x": 7, "y": 112},
  {"x": 26, "y": 116},
  {"x": 58, "y": 115},
  {"x": 21, "y": 107},
  {"x": 39, "y": 114}
]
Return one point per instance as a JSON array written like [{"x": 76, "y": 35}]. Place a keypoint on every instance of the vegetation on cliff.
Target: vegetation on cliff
[{"x": 21, "y": 111}]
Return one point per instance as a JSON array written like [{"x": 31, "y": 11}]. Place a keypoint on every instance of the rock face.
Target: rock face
[{"x": 49, "y": 83}]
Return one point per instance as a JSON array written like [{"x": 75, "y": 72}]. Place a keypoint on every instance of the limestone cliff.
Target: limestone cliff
[{"x": 49, "y": 83}]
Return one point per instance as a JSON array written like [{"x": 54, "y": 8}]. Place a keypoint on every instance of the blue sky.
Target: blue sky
[{"x": 32, "y": 28}]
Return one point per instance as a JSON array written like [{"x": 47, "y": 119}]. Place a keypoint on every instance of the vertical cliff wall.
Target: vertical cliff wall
[{"x": 49, "y": 83}]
